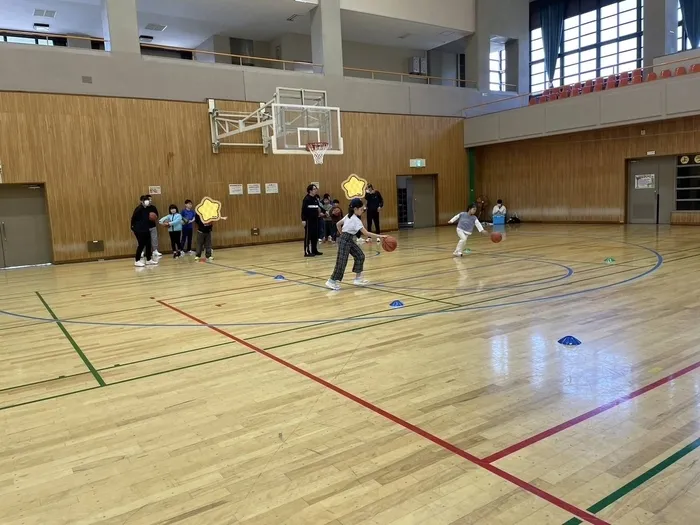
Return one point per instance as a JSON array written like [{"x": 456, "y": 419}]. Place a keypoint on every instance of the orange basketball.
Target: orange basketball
[
  {"x": 152, "y": 216},
  {"x": 389, "y": 244},
  {"x": 496, "y": 237}
]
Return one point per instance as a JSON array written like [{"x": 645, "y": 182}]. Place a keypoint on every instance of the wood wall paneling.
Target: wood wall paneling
[
  {"x": 580, "y": 177},
  {"x": 685, "y": 218},
  {"x": 97, "y": 155}
]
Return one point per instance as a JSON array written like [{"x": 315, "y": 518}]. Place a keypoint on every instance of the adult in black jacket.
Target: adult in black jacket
[
  {"x": 375, "y": 202},
  {"x": 141, "y": 226},
  {"x": 310, "y": 213}
]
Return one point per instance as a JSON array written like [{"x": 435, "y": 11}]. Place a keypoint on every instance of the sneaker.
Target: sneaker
[
  {"x": 211, "y": 257},
  {"x": 456, "y": 254},
  {"x": 139, "y": 264},
  {"x": 317, "y": 253},
  {"x": 151, "y": 263},
  {"x": 379, "y": 240},
  {"x": 192, "y": 252},
  {"x": 360, "y": 282},
  {"x": 157, "y": 253},
  {"x": 333, "y": 285},
  {"x": 196, "y": 259}
]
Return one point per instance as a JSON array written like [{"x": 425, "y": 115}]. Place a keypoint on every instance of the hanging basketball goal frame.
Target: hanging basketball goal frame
[{"x": 291, "y": 123}]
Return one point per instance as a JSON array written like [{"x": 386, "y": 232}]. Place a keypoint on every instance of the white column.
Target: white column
[
  {"x": 660, "y": 24},
  {"x": 120, "y": 26},
  {"x": 326, "y": 37}
]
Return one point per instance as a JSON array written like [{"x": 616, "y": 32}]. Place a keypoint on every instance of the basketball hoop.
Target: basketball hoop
[{"x": 318, "y": 150}]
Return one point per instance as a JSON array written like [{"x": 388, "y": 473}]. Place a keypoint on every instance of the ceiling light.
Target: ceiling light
[
  {"x": 45, "y": 13},
  {"x": 306, "y": 1},
  {"x": 41, "y": 27},
  {"x": 155, "y": 27},
  {"x": 293, "y": 18}
]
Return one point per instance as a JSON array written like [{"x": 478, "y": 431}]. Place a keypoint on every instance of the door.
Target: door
[
  {"x": 642, "y": 184},
  {"x": 423, "y": 201},
  {"x": 24, "y": 225}
]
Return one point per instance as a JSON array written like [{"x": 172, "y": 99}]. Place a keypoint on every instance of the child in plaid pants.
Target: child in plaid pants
[{"x": 348, "y": 227}]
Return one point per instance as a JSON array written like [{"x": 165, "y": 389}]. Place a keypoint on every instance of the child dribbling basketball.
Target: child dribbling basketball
[
  {"x": 466, "y": 221},
  {"x": 348, "y": 227}
]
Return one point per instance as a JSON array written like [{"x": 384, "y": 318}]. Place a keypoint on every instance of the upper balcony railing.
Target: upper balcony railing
[{"x": 661, "y": 70}]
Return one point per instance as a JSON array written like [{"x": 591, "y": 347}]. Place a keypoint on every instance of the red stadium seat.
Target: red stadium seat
[
  {"x": 652, "y": 76},
  {"x": 598, "y": 85},
  {"x": 637, "y": 73},
  {"x": 532, "y": 101},
  {"x": 624, "y": 79},
  {"x": 543, "y": 99},
  {"x": 666, "y": 73},
  {"x": 637, "y": 80},
  {"x": 611, "y": 82},
  {"x": 680, "y": 70},
  {"x": 695, "y": 68},
  {"x": 565, "y": 94}
]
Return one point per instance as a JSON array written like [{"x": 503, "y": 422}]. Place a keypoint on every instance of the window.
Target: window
[
  {"x": 683, "y": 42},
  {"x": 12, "y": 39},
  {"x": 604, "y": 41},
  {"x": 497, "y": 70}
]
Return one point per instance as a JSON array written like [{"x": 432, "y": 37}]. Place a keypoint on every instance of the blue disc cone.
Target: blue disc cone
[
  {"x": 279, "y": 278},
  {"x": 396, "y": 304},
  {"x": 569, "y": 340},
  {"x": 250, "y": 273}
]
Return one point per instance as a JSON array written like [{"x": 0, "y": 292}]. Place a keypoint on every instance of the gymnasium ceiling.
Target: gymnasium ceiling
[{"x": 191, "y": 22}]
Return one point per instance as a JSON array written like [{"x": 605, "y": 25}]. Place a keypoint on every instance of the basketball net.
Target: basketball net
[{"x": 318, "y": 150}]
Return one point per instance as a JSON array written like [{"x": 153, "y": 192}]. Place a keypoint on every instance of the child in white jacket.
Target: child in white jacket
[{"x": 466, "y": 221}]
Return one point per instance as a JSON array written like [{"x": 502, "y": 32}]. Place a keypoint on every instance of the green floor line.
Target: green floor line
[
  {"x": 87, "y": 362},
  {"x": 129, "y": 380},
  {"x": 639, "y": 480}
]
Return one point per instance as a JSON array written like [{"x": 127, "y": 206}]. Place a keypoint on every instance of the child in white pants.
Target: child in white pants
[{"x": 466, "y": 221}]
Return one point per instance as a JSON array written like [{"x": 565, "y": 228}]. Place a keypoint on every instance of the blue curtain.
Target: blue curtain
[
  {"x": 691, "y": 20},
  {"x": 552, "y": 20}
]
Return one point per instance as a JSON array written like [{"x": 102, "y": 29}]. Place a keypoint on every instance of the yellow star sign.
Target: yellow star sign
[
  {"x": 354, "y": 186},
  {"x": 209, "y": 210}
]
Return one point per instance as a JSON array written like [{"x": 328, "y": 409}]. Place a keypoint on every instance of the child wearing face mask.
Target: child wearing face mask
[
  {"x": 141, "y": 225},
  {"x": 174, "y": 223}
]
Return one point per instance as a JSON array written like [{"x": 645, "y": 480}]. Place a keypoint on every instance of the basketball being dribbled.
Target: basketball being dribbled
[
  {"x": 389, "y": 244},
  {"x": 496, "y": 237},
  {"x": 152, "y": 216}
]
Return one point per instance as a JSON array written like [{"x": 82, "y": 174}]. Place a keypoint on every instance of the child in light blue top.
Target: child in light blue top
[
  {"x": 174, "y": 223},
  {"x": 465, "y": 225}
]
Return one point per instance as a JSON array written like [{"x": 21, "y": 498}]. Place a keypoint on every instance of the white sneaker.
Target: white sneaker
[
  {"x": 333, "y": 285},
  {"x": 151, "y": 263},
  {"x": 196, "y": 259},
  {"x": 139, "y": 264},
  {"x": 157, "y": 253},
  {"x": 360, "y": 282},
  {"x": 456, "y": 254},
  {"x": 379, "y": 240},
  {"x": 211, "y": 257}
]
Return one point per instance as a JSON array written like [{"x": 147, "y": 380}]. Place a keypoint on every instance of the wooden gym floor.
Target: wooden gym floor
[{"x": 214, "y": 394}]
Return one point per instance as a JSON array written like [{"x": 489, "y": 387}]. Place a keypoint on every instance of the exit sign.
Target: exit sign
[{"x": 417, "y": 163}]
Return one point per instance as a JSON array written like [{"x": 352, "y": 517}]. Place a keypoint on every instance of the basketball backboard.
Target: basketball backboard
[{"x": 294, "y": 118}]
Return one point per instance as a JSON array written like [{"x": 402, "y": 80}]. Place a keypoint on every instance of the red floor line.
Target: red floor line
[
  {"x": 583, "y": 417},
  {"x": 568, "y": 507}
]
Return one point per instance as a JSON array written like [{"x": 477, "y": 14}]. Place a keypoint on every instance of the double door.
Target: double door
[
  {"x": 25, "y": 237},
  {"x": 651, "y": 190}
]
